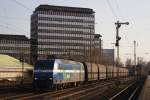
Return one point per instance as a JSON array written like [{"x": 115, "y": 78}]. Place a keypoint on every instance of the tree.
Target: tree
[
  {"x": 128, "y": 62},
  {"x": 148, "y": 64},
  {"x": 140, "y": 60}
]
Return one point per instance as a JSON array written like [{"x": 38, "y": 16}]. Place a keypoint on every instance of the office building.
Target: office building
[
  {"x": 62, "y": 31},
  {"x": 17, "y": 46}
]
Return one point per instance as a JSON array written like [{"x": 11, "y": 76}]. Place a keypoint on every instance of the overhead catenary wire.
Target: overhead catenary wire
[
  {"x": 112, "y": 10},
  {"x": 5, "y": 22},
  {"x": 24, "y": 6},
  {"x": 119, "y": 10},
  {"x": 8, "y": 27},
  {"x": 11, "y": 25}
]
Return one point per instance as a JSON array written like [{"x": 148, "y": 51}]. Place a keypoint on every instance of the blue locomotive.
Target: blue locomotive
[
  {"x": 61, "y": 73},
  {"x": 49, "y": 73}
]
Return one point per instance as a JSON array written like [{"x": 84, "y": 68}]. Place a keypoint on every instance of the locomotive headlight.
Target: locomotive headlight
[
  {"x": 35, "y": 78},
  {"x": 50, "y": 78}
]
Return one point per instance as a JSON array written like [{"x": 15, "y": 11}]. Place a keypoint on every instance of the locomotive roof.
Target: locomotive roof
[{"x": 62, "y": 61}]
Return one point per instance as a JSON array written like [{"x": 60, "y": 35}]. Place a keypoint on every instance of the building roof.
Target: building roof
[
  {"x": 64, "y": 8},
  {"x": 13, "y": 37},
  {"x": 11, "y": 62}
]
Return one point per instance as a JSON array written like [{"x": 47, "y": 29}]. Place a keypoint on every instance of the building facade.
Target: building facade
[
  {"x": 63, "y": 32},
  {"x": 17, "y": 46},
  {"x": 108, "y": 56}
]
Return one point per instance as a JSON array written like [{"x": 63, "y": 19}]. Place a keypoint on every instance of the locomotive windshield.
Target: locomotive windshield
[{"x": 44, "y": 64}]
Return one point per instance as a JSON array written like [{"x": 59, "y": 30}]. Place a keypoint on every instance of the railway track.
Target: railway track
[
  {"x": 87, "y": 93},
  {"x": 81, "y": 92},
  {"x": 13, "y": 90},
  {"x": 17, "y": 93},
  {"x": 131, "y": 92},
  {"x": 44, "y": 95}
]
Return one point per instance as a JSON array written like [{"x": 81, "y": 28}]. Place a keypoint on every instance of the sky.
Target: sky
[{"x": 15, "y": 19}]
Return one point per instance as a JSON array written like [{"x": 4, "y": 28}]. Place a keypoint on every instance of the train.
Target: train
[{"x": 61, "y": 73}]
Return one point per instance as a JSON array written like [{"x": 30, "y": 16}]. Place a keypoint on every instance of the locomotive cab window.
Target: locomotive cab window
[{"x": 42, "y": 65}]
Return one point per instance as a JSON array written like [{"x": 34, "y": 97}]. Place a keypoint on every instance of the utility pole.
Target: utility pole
[
  {"x": 134, "y": 52},
  {"x": 118, "y": 38}
]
